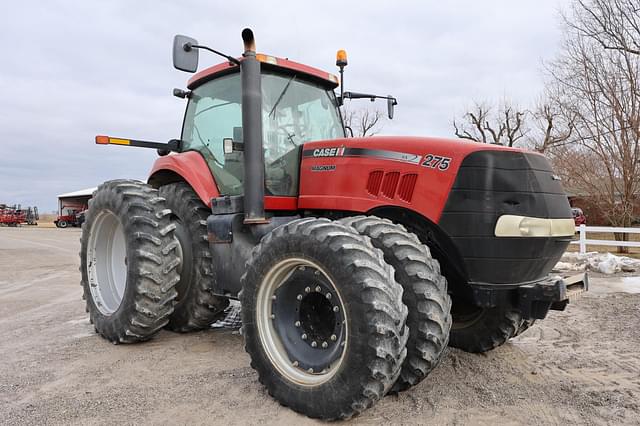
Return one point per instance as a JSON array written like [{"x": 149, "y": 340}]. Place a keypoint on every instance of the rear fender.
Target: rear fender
[{"x": 189, "y": 167}]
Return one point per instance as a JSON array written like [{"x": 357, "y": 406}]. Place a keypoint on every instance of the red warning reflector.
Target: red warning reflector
[{"x": 102, "y": 140}]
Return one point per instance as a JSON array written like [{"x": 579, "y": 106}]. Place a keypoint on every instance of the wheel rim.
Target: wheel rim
[
  {"x": 107, "y": 262},
  {"x": 302, "y": 323}
]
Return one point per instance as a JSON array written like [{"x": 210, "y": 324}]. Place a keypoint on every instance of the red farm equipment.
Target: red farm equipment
[
  {"x": 16, "y": 215},
  {"x": 356, "y": 261}
]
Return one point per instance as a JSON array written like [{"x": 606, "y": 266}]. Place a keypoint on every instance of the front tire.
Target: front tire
[
  {"x": 128, "y": 261},
  {"x": 196, "y": 307},
  {"x": 480, "y": 330},
  {"x": 62, "y": 224},
  {"x": 323, "y": 319}
]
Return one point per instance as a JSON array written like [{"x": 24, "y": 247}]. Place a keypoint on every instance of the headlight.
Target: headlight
[{"x": 523, "y": 226}]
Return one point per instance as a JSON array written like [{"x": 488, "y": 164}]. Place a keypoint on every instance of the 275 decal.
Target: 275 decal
[{"x": 436, "y": 162}]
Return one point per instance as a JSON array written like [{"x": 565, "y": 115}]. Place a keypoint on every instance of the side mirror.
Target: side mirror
[
  {"x": 391, "y": 102},
  {"x": 185, "y": 57}
]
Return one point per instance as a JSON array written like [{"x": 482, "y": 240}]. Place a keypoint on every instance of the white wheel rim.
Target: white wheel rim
[
  {"x": 269, "y": 338},
  {"x": 107, "y": 262}
]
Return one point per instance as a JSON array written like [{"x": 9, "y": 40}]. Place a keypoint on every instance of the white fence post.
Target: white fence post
[{"x": 583, "y": 239}]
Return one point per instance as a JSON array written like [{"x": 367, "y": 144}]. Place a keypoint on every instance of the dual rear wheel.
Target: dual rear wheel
[
  {"x": 145, "y": 261},
  {"x": 324, "y": 317}
]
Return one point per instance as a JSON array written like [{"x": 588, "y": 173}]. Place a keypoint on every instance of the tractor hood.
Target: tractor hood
[{"x": 360, "y": 174}]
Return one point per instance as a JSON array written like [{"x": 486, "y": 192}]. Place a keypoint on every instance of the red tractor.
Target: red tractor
[
  {"x": 356, "y": 260},
  {"x": 70, "y": 216}
]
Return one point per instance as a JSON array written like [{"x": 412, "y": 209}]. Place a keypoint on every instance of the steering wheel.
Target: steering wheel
[{"x": 288, "y": 136}]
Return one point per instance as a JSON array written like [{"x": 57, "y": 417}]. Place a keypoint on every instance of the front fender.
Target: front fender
[{"x": 188, "y": 166}]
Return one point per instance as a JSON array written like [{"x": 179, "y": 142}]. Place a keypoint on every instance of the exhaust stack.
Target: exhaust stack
[{"x": 252, "y": 132}]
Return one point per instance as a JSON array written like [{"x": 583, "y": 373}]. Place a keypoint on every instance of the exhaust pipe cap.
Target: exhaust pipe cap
[{"x": 249, "y": 40}]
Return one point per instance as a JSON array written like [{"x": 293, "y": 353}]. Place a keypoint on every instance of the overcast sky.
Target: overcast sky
[{"x": 74, "y": 69}]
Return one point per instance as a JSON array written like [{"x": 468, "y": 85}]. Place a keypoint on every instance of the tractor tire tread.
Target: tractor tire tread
[
  {"x": 151, "y": 273},
  {"x": 373, "y": 289},
  {"x": 425, "y": 294},
  {"x": 199, "y": 308}
]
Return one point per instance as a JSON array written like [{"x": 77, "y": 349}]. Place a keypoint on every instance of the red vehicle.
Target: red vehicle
[
  {"x": 70, "y": 216},
  {"x": 578, "y": 216},
  {"x": 355, "y": 260}
]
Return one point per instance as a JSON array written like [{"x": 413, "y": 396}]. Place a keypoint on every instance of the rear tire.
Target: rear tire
[
  {"x": 479, "y": 330},
  {"x": 196, "y": 307},
  {"x": 128, "y": 261},
  {"x": 331, "y": 269},
  {"x": 425, "y": 294}
]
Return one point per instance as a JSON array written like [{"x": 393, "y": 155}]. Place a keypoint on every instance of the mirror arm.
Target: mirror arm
[
  {"x": 354, "y": 95},
  {"x": 188, "y": 46}
]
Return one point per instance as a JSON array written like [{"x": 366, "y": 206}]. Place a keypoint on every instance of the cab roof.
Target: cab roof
[{"x": 268, "y": 62}]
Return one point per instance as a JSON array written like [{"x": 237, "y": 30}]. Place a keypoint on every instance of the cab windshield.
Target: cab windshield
[{"x": 294, "y": 111}]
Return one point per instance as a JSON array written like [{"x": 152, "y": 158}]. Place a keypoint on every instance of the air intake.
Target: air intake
[
  {"x": 374, "y": 182},
  {"x": 389, "y": 184},
  {"x": 407, "y": 184}
]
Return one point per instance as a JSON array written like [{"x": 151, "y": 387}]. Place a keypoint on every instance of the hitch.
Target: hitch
[{"x": 534, "y": 299}]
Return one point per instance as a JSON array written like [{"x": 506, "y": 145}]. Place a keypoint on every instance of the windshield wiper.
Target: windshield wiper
[{"x": 286, "y": 87}]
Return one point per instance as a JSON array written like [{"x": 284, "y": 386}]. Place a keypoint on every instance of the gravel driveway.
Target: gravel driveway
[{"x": 581, "y": 366}]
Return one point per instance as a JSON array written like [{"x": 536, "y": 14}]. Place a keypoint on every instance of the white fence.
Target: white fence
[{"x": 583, "y": 241}]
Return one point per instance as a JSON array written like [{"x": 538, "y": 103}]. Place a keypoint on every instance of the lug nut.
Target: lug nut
[
  {"x": 273, "y": 297},
  {"x": 325, "y": 345},
  {"x": 304, "y": 336},
  {"x": 297, "y": 323},
  {"x": 299, "y": 297},
  {"x": 318, "y": 289},
  {"x": 342, "y": 344},
  {"x": 328, "y": 296},
  {"x": 314, "y": 344},
  {"x": 273, "y": 316},
  {"x": 310, "y": 370},
  {"x": 317, "y": 272},
  {"x": 295, "y": 363},
  {"x": 334, "y": 337},
  {"x": 336, "y": 309},
  {"x": 301, "y": 268},
  {"x": 307, "y": 289}
]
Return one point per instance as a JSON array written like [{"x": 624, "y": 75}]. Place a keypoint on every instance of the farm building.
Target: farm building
[{"x": 77, "y": 200}]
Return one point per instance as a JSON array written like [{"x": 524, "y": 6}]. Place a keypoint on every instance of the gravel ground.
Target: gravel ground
[{"x": 581, "y": 366}]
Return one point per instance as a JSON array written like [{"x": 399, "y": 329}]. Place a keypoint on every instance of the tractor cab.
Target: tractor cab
[{"x": 298, "y": 106}]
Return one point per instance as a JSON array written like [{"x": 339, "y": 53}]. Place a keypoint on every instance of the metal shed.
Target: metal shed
[{"x": 77, "y": 200}]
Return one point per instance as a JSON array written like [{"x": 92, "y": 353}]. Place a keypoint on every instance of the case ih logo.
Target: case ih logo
[{"x": 329, "y": 152}]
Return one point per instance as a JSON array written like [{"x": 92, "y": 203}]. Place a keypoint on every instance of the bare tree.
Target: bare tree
[
  {"x": 505, "y": 127},
  {"x": 551, "y": 124},
  {"x": 613, "y": 24},
  {"x": 363, "y": 122},
  {"x": 599, "y": 87}
]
